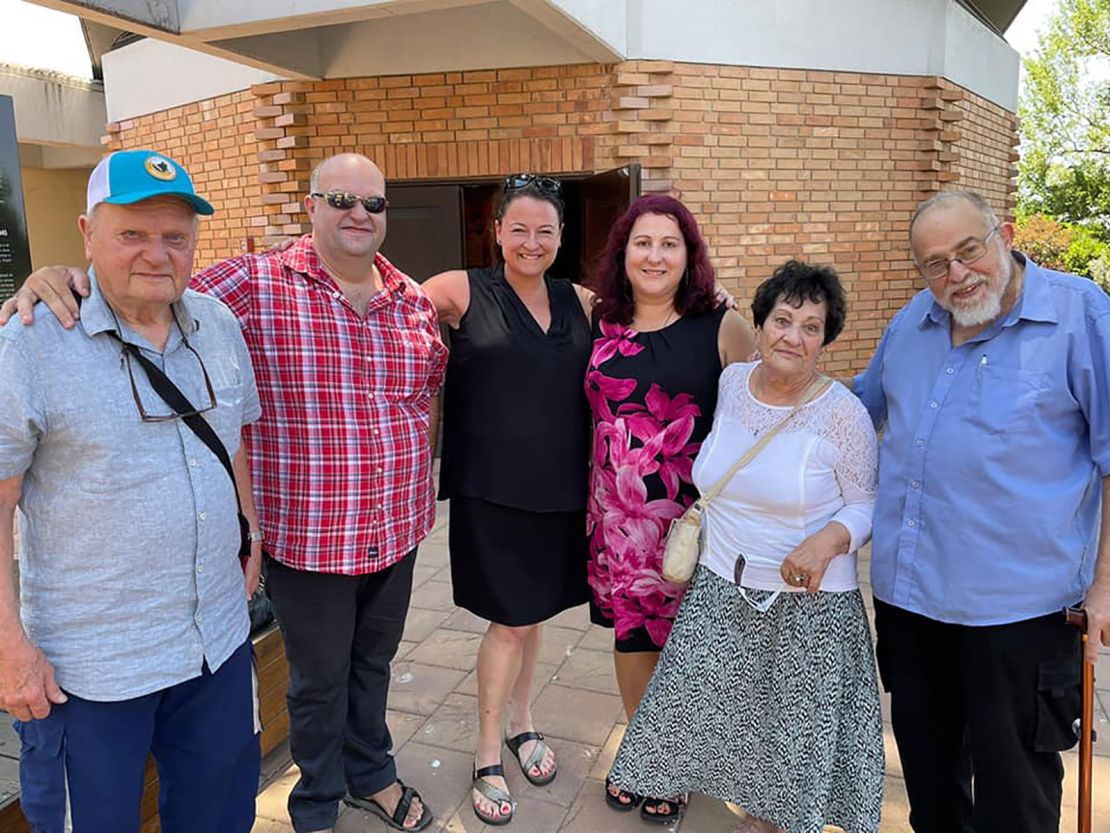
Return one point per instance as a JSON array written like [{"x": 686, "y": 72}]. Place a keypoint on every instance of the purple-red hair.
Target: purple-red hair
[{"x": 696, "y": 293}]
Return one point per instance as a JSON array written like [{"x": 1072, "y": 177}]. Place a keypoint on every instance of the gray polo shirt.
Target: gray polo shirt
[{"x": 129, "y": 573}]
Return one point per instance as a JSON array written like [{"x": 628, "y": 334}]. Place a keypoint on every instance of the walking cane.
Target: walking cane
[{"x": 1078, "y": 617}]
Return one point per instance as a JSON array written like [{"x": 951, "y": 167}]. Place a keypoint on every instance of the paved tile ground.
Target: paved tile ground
[{"x": 433, "y": 717}]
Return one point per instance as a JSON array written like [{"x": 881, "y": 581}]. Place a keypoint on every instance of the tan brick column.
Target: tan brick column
[
  {"x": 284, "y": 165},
  {"x": 643, "y": 109}
]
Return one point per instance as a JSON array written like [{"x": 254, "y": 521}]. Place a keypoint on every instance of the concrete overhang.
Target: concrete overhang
[
  {"x": 312, "y": 39},
  {"x": 59, "y": 119}
]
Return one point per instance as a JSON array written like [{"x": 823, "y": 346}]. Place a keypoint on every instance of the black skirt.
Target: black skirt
[{"x": 516, "y": 567}]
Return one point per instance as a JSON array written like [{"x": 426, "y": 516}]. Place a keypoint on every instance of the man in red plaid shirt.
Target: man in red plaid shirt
[{"x": 349, "y": 362}]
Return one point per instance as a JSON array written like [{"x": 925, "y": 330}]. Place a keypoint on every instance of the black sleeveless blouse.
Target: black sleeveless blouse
[{"x": 515, "y": 415}]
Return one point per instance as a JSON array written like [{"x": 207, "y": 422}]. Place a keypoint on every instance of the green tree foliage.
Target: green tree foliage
[
  {"x": 1064, "y": 112},
  {"x": 1063, "y": 246}
]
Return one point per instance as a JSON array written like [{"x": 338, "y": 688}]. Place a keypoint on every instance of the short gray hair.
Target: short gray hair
[
  {"x": 314, "y": 178},
  {"x": 945, "y": 198}
]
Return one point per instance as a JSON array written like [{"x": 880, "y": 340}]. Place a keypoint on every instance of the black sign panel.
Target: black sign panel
[{"x": 15, "y": 250}]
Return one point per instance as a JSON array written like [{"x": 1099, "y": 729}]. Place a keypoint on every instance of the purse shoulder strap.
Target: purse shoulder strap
[{"x": 812, "y": 392}]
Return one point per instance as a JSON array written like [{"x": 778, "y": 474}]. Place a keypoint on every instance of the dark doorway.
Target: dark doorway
[
  {"x": 424, "y": 235},
  {"x": 450, "y": 226}
]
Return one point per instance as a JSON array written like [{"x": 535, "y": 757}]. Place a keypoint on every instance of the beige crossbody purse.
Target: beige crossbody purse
[{"x": 684, "y": 537}]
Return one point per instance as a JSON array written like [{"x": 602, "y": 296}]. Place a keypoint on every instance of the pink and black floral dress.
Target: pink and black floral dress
[{"x": 652, "y": 396}]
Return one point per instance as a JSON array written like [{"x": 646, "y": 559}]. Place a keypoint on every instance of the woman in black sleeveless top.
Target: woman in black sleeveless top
[
  {"x": 661, "y": 340},
  {"x": 515, "y": 460}
]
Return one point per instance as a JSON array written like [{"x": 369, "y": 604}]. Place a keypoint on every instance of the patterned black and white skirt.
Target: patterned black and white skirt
[{"x": 777, "y": 712}]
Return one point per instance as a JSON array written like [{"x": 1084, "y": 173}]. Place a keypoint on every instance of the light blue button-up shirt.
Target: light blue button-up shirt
[
  {"x": 993, "y": 452},
  {"x": 129, "y": 574}
]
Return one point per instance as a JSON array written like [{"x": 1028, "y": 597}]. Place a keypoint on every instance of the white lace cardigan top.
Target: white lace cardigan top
[{"x": 821, "y": 467}]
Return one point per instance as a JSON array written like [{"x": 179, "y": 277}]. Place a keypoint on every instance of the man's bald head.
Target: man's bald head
[
  {"x": 352, "y": 235},
  {"x": 350, "y": 162}
]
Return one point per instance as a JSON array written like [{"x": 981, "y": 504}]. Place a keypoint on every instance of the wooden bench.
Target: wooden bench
[{"x": 273, "y": 681}]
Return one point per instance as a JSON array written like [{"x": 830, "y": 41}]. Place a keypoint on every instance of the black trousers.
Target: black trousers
[
  {"x": 980, "y": 715},
  {"x": 341, "y": 633}
]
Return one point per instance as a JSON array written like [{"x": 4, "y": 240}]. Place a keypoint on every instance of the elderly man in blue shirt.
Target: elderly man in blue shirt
[
  {"x": 992, "y": 386},
  {"x": 133, "y": 637}
]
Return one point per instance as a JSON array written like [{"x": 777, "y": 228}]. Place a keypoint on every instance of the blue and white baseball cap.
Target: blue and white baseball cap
[{"x": 130, "y": 176}]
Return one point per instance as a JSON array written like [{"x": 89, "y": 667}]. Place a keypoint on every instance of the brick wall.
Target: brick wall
[
  {"x": 214, "y": 140},
  {"x": 985, "y": 151},
  {"x": 775, "y": 163}
]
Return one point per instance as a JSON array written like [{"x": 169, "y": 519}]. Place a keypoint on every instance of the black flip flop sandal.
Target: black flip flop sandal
[
  {"x": 615, "y": 802},
  {"x": 674, "y": 809},
  {"x": 400, "y": 812}
]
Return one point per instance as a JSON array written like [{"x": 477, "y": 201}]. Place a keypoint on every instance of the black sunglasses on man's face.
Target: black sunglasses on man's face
[{"x": 345, "y": 201}]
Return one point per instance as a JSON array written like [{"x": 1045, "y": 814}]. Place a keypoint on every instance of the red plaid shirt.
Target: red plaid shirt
[{"x": 340, "y": 458}]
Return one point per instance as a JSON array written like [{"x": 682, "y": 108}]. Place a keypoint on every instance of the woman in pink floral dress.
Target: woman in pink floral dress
[{"x": 661, "y": 339}]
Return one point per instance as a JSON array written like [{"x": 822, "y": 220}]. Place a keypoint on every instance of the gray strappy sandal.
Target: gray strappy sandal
[
  {"x": 495, "y": 794},
  {"x": 534, "y": 760}
]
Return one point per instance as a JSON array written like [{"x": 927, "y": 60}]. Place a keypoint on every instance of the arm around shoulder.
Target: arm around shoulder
[
  {"x": 588, "y": 299},
  {"x": 232, "y": 281},
  {"x": 735, "y": 339},
  {"x": 450, "y": 293},
  {"x": 51, "y": 285}
]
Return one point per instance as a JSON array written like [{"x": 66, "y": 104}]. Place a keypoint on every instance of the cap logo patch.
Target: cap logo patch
[{"x": 160, "y": 168}]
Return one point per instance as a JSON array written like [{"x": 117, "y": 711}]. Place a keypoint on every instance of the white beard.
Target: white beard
[
  {"x": 989, "y": 308},
  {"x": 981, "y": 313}
]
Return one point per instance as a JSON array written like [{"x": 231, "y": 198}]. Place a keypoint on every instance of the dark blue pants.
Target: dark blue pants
[
  {"x": 201, "y": 733},
  {"x": 341, "y": 633}
]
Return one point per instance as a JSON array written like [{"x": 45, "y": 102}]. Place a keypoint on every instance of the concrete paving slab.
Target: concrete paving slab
[
  {"x": 454, "y": 725},
  {"x": 448, "y": 649},
  {"x": 558, "y": 643},
  {"x": 421, "y": 623},
  {"x": 433, "y": 719},
  {"x": 402, "y": 726},
  {"x": 434, "y": 595},
  {"x": 583, "y": 716},
  {"x": 589, "y": 670},
  {"x": 420, "y": 689},
  {"x": 544, "y": 675},
  {"x": 9, "y": 740}
]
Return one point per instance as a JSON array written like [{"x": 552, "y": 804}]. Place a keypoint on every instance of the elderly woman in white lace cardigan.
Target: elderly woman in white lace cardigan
[{"x": 765, "y": 694}]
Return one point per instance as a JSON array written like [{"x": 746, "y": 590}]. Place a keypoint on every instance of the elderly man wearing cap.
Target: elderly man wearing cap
[
  {"x": 134, "y": 632},
  {"x": 349, "y": 362}
]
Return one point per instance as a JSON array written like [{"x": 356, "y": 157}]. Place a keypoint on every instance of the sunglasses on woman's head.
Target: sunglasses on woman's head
[
  {"x": 546, "y": 184},
  {"x": 345, "y": 201}
]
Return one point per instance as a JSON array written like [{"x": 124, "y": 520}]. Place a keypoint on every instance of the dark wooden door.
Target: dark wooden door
[
  {"x": 602, "y": 199},
  {"x": 424, "y": 235}
]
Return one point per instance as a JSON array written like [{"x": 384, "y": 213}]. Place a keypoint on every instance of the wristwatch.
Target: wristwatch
[{"x": 255, "y": 536}]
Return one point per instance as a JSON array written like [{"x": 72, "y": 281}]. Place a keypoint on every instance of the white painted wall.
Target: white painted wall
[
  {"x": 150, "y": 75},
  {"x": 980, "y": 60},
  {"x": 904, "y": 37},
  {"x": 900, "y": 37},
  {"x": 54, "y": 110}
]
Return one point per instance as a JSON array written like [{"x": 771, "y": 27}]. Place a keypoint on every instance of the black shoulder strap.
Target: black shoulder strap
[{"x": 171, "y": 394}]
